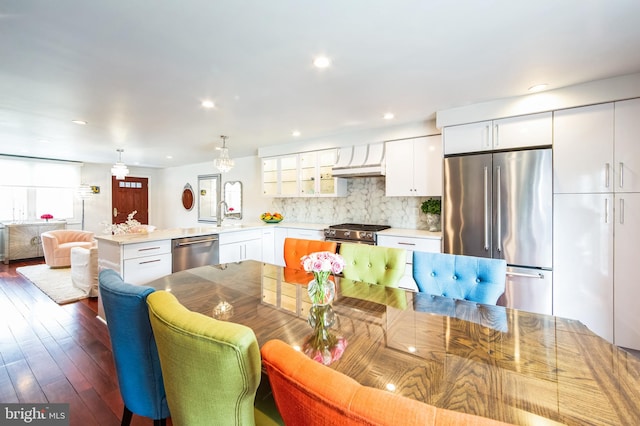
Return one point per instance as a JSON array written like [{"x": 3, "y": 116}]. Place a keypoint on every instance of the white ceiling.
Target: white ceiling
[{"x": 137, "y": 71}]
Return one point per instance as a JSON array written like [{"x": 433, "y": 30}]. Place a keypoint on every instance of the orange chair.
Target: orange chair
[
  {"x": 309, "y": 393},
  {"x": 295, "y": 248}
]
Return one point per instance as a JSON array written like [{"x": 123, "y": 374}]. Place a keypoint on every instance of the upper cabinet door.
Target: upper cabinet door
[
  {"x": 414, "y": 167},
  {"x": 627, "y": 146},
  {"x": 523, "y": 131},
  {"x": 471, "y": 137},
  {"x": 507, "y": 133},
  {"x": 583, "y": 149}
]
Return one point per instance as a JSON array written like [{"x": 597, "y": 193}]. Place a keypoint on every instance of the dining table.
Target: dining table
[{"x": 506, "y": 364}]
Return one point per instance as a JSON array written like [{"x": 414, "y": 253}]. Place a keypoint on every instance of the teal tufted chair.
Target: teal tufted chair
[
  {"x": 477, "y": 279},
  {"x": 373, "y": 264}
]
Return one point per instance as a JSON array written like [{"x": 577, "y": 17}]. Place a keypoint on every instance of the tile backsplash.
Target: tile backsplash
[{"x": 365, "y": 203}]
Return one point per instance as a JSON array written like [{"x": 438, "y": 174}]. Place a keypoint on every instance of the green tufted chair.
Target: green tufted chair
[
  {"x": 373, "y": 264},
  {"x": 212, "y": 369}
]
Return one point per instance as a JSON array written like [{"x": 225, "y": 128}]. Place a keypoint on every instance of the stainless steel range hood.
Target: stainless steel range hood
[{"x": 360, "y": 161}]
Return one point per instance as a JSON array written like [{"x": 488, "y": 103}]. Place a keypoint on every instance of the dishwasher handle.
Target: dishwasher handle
[{"x": 189, "y": 243}]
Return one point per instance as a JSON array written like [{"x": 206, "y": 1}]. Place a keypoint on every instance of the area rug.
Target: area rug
[{"x": 55, "y": 283}]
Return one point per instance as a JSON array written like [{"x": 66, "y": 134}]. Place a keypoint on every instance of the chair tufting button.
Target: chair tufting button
[
  {"x": 369, "y": 265},
  {"x": 433, "y": 274},
  {"x": 455, "y": 277},
  {"x": 477, "y": 280}
]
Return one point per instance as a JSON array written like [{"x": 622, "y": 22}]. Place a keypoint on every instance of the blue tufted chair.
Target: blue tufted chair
[
  {"x": 472, "y": 278},
  {"x": 373, "y": 264},
  {"x": 134, "y": 348}
]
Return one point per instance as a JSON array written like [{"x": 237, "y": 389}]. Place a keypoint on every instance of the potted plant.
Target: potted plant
[{"x": 432, "y": 208}]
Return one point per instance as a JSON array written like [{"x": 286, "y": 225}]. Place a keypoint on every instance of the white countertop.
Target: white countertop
[
  {"x": 416, "y": 233},
  {"x": 168, "y": 234}
]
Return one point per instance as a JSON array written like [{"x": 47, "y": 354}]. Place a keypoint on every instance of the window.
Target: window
[{"x": 30, "y": 188}]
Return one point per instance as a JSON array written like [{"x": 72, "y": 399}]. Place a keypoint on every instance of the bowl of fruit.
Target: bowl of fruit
[{"x": 271, "y": 217}]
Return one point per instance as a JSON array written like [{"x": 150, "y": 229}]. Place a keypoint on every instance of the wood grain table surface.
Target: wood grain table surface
[{"x": 495, "y": 362}]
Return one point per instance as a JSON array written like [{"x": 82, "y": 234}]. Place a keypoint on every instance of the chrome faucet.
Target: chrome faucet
[{"x": 220, "y": 214}]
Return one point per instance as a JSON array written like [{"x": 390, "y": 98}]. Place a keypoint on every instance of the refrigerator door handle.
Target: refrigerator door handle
[
  {"x": 606, "y": 210},
  {"x": 486, "y": 208},
  {"x": 621, "y": 211},
  {"x": 498, "y": 213},
  {"x": 520, "y": 274},
  {"x": 606, "y": 174}
]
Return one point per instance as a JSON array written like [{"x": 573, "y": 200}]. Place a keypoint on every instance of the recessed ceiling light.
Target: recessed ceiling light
[
  {"x": 295, "y": 133},
  {"x": 537, "y": 88},
  {"x": 388, "y": 116},
  {"x": 321, "y": 62},
  {"x": 81, "y": 122},
  {"x": 208, "y": 104},
  {"x": 169, "y": 157}
]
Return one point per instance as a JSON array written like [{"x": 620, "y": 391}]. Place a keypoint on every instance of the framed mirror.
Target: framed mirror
[
  {"x": 208, "y": 197},
  {"x": 233, "y": 197},
  {"x": 188, "y": 198}
]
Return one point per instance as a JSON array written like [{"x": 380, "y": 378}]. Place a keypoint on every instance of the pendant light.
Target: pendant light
[
  {"x": 119, "y": 170},
  {"x": 223, "y": 162}
]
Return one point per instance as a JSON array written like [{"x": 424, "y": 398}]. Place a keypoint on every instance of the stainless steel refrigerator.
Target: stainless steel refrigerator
[{"x": 499, "y": 205}]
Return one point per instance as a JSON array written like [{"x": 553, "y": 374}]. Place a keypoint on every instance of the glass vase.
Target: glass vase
[{"x": 321, "y": 290}]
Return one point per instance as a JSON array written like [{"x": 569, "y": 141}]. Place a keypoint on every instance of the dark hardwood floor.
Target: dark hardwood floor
[
  {"x": 57, "y": 353},
  {"x": 52, "y": 353}
]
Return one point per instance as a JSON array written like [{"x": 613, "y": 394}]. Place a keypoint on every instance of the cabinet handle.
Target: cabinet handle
[
  {"x": 606, "y": 210},
  {"x": 149, "y": 261},
  {"x": 621, "y": 211},
  {"x": 486, "y": 136},
  {"x": 621, "y": 174},
  {"x": 406, "y": 244},
  {"x": 496, "y": 137},
  {"x": 606, "y": 175},
  {"x": 149, "y": 248}
]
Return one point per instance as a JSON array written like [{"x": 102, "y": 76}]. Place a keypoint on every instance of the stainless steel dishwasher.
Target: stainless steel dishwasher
[{"x": 191, "y": 252}]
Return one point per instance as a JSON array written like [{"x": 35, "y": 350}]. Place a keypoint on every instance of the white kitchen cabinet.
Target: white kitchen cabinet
[
  {"x": 410, "y": 244},
  {"x": 302, "y": 175},
  {"x": 137, "y": 263},
  {"x": 596, "y": 218},
  {"x": 514, "y": 132},
  {"x": 414, "y": 167},
  {"x": 626, "y": 288},
  {"x": 240, "y": 245},
  {"x": 316, "y": 179},
  {"x": 583, "y": 149},
  {"x": 280, "y": 176},
  {"x": 627, "y": 146},
  {"x": 268, "y": 244},
  {"x": 583, "y": 260}
]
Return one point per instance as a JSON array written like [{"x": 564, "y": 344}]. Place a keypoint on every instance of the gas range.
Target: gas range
[{"x": 353, "y": 233}]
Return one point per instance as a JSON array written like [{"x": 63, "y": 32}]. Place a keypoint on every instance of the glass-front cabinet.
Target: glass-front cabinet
[{"x": 305, "y": 174}]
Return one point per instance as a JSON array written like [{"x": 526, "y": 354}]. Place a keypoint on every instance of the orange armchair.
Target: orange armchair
[
  {"x": 295, "y": 248},
  {"x": 309, "y": 393},
  {"x": 57, "y": 245}
]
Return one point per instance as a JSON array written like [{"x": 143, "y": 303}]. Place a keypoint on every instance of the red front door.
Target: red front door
[{"x": 129, "y": 195}]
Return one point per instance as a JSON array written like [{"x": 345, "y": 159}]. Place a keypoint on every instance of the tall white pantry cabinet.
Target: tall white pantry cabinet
[{"x": 597, "y": 218}]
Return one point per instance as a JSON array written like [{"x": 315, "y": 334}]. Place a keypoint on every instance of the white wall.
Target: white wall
[
  {"x": 173, "y": 179},
  {"x": 97, "y": 209}
]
